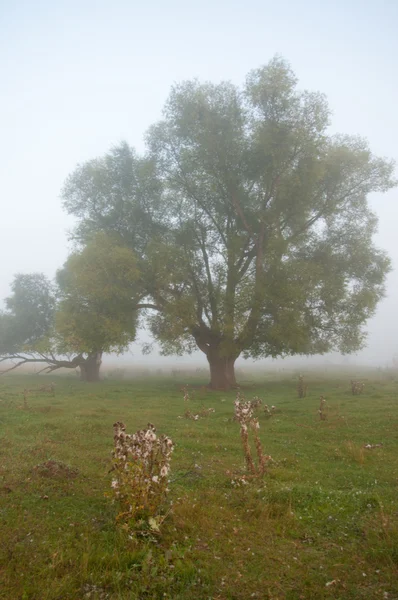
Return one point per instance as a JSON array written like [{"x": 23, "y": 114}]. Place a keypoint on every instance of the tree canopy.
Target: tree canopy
[
  {"x": 90, "y": 310},
  {"x": 29, "y": 313},
  {"x": 249, "y": 221}
]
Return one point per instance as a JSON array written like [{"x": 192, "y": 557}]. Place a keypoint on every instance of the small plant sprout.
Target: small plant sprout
[
  {"x": 357, "y": 387},
  {"x": 322, "y": 409},
  {"x": 301, "y": 387},
  {"x": 140, "y": 481},
  {"x": 245, "y": 416},
  {"x": 256, "y": 402}
]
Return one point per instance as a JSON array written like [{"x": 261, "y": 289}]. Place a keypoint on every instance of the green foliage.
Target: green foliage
[
  {"x": 29, "y": 313},
  {"x": 251, "y": 222},
  {"x": 121, "y": 195},
  {"x": 92, "y": 310},
  {"x": 99, "y": 289}
]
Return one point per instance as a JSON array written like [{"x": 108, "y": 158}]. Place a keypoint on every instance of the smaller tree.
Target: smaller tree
[
  {"x": 99, "y": 297},
  {"x": 26, "y": 326},
  {"x": 92, "y": 310}
]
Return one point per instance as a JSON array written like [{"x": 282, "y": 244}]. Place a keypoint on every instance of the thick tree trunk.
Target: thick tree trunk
[
  {"x": 222, "y": 372},
  {"x": 90, "y": 368}
]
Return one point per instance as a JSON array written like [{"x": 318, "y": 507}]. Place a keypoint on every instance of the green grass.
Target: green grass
[{"x": 327, "y": 511}]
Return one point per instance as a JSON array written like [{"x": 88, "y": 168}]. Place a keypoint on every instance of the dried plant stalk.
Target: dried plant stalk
[
  {"x": 322, "y": 409},
  {"x": 301, "y": 387},
  {"x": 256, "y": 402},
  {"x": 244, "y": 434},
  {"x": 187, "y": 397},
  {"x": 244, "y": 415},
  {"x": 357, "y": 387},
  {"x": 204, "y": 412},
  {"x": 141, "y": 469},
  {"x": 269, "y": 412},
  {"x": 260, "y": 454}
]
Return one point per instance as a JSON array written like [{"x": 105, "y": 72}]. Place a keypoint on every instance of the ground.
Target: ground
[{"x": 323, "y": 522}]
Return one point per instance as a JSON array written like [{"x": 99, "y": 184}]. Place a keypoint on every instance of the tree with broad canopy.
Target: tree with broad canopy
[
  {"x": 91, "y": 310},
  {"x": 250, "y": 222}
]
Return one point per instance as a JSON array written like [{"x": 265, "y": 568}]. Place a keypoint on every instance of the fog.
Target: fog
[{"x": 78, "y": 77}]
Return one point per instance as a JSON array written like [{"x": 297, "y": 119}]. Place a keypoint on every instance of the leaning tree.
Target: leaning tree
[
  {"x": 92, "y": 309},
  {"x": 250, "y": 221}
]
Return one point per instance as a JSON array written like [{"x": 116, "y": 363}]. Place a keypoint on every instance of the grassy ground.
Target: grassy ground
[{"x": 323, "y": 523}]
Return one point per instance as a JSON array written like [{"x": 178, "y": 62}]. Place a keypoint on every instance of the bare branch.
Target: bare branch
[
  {"x": 240, "y": 212},
  {"x": 22, "y": 362},
  {"x": 51, "y": 368},
  {"x": 152, "y": 306},
  {"x": 52, "y": 363},
  {"x": 210, "y": 285}
]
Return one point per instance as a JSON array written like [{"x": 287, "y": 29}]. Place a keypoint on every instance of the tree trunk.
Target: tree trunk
[
  {"x": 90, "y": 368},
  {"x": 222, "y": 372}
]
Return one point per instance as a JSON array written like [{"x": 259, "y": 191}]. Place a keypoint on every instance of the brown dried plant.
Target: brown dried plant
[
  {"x": 269, "y": 412},
  {"x": 322, "y": 409},
  {"x": 190, "y": 415},
  {"x": 256, "y": 402},
  {"x": 301, "y": 387},
  {"x": 357, "y": 387},
  {"x": 140, "y": 481},
  {"x": 245, "y": 416},
  {"x": 204, "y": 412}
]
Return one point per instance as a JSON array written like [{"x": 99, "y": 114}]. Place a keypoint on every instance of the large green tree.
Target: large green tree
[
  {"x": 250, "y": 220},
  {"x": 90, "y": 310}
]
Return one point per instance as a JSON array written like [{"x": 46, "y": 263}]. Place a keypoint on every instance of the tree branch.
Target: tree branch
[
  {"x": 248, "y": 260},
  {"x": 152, "y": 306},
  {"x": 239, "y": 211},
  {"x": 52, "y": 364},
  {"x": 249, "y": 328},
  {"x": 212, "y": 298},
  {"x": 183, "y": 177}
]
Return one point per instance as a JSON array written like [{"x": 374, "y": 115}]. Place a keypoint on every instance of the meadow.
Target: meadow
[{"x": 322, "y": 523}]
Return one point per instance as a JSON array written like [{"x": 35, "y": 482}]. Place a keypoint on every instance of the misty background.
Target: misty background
[{"x": 79, "y": 77}]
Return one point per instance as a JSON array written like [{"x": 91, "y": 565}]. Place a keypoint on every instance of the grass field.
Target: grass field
[{"x": 323, "y": 523}]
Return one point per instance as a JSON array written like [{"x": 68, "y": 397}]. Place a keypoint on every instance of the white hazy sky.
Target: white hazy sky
[{"x": 78, "y": 77}]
